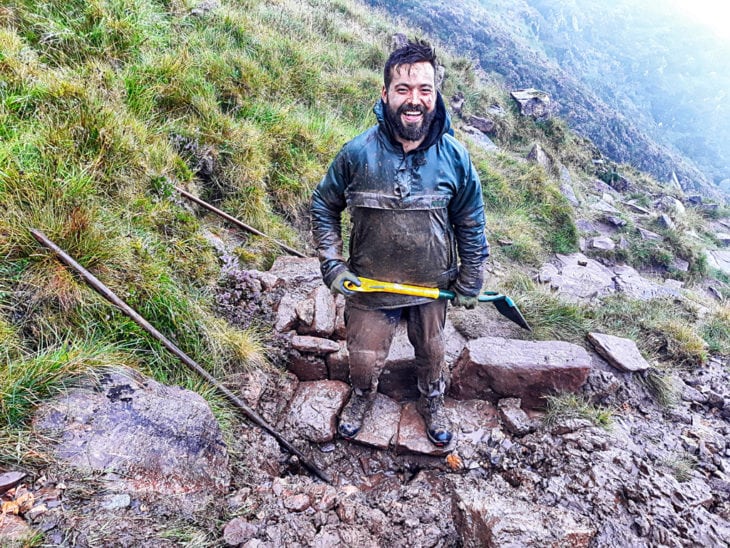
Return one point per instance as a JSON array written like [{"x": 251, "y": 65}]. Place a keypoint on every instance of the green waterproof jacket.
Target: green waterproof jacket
[{"x": 410, "y": 213}]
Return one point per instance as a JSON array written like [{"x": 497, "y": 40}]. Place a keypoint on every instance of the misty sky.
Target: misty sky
[{"x": 712, "y": 13}]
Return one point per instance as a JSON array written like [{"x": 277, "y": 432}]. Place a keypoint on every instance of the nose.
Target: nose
[{"x": 414, "y": 96}]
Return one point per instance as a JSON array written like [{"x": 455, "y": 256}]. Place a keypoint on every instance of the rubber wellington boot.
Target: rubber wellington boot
[
  {"x": 354, "y": 412},
  {"x": 431, "y": 407}
]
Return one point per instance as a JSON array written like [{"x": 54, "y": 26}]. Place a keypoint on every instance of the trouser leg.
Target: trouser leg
[
  {"x": 426, "y": 334},
  {"x": 369, "y": 334}
]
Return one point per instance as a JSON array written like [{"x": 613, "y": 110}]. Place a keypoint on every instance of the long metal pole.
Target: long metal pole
[
  {"x": 109, "y": 295},
  {"x": 238, "y": 223}
]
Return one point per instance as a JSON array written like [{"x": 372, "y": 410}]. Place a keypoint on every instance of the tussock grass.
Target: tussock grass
[
  {"x": 573, "y": 406},
  {"x": 715, "y": 330},
  {"x": 660, "y": 385},
  {"x": 550, "y": 317},
  {"x": 25, "y": 382}
]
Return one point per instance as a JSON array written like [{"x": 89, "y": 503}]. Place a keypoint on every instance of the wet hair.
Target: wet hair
[{"x": 414, "y": 51}]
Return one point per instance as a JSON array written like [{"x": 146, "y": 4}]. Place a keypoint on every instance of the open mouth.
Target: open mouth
[{"x": 411, "y": 116}]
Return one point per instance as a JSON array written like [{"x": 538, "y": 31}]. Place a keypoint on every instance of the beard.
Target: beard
[{"x": 410, "y": 132}]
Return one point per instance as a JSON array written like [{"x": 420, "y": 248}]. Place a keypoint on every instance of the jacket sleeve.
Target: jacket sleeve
[
  {"x": 466, "y": 213},
  {"x": 328, "y": 202}
]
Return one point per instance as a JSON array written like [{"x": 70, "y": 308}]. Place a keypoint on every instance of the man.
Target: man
[{"x": 414, "y": 200}]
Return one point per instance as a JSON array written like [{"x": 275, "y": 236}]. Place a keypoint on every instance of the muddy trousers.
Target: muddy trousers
[{"x": 370, "y": 332}]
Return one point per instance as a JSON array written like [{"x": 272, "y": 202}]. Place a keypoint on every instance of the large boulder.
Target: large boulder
[
  {"x": 149, "y": 437},
  {"x": 533, "y": 103},
  {"x": 314, "y": 409},
  {"x": 491, "y": 368}
]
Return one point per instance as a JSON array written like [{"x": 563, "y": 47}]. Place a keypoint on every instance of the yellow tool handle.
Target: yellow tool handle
[{"x": 375, "y": 286}]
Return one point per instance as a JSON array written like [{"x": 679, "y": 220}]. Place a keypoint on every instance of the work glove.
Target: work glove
[
  {"x": 338, "y": 284},
  {"x": 464, "y": 300}
]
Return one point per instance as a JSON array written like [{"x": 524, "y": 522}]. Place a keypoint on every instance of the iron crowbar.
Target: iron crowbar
[{"x": 503, "y": 303}]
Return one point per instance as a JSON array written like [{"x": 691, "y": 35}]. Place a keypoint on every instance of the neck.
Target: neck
[{"x": 409, "y": 145}]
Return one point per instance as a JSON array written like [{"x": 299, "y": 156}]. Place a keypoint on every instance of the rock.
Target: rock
[
  {"x": 671, "y": 205},
  {"x": 239, "y": 530},
  {"x": 380, "y": 426},
  {"x": 491, "y": 519},
  {"x": 251, "y": 386},
  {"x": 305, "y": 313},
  {"x": 680, "y": 265},
  {"x": 315, "y": 345},
  {"x": 297, "y": 503},
  {"x": 485, "y": 125},
  {"x": 719, "y": 259},
  {"x": 295, "y": 271},
  {"x": 621, "y": 353},
  {"x": 566, "y": 186},
  {"x": 665, "y": 221},
  {"x": 277, "y": 394},
  {"x": 338, "y": 364},
  {"x": 492, "y": 367},
  {"x": 412, "y": 436},
  {"x": 474, "y": 419},
  {"x": 605, "y": 207},
  {"x": 314, "y": 408},
  {"x": 14, "y": 531},
  {"x": 533, "y": 103},
  {"x": 513, "y": 417},
  {"x": 636, "y": 208},
  {"x": 307, "y": 367},
  {"x": 603, "y": 243},
  {"x": 205, "y": 7},
  {"x": 286, "y": 313},
  {"x": 340, "y": 327},
  {"x": 116, "y": 502},
  {"x": 723, "y": 238},
  {"x": 479, "y": 138},
  {"x": 618, "y": 222},
  {"x": 320, "y": 321},
  {"x": 538, "y": 155},
  {"x": 649, "y": 235},
  {"x": 154, "y": 438},
  {"x": 630, "y": 282},
  {"x": 8, "y": 480},
  {"x": 580, "y": 278}
]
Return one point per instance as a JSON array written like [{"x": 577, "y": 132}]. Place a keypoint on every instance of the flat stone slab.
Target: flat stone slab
[
  {"x": 633, "y": 284},
  {"x": 412, "y": 436},
  {"x": 719, "y": 259},
  {"x": 323, "y": 313},
  {"x": 314, "y": 408},
  {"x": 492, "y": 367},
  {"x": 621, "y": 353},
  {"x": 578, "y": 278},
  {"x": 380, "y": 426}
]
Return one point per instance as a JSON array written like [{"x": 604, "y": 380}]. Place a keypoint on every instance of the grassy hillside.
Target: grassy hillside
[{"x": 106, "y": 105}]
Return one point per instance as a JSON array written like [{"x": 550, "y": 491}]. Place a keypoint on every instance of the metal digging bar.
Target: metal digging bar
[
  {"x": 238, "y": 223},
  {"x": 109, "y": 295}
]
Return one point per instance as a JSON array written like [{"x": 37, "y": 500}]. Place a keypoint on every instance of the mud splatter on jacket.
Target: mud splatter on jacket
[{"x": 410, "y": 213}]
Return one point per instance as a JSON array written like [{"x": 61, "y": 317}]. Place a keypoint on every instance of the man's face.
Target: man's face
[{"x": 410, "y": 100}]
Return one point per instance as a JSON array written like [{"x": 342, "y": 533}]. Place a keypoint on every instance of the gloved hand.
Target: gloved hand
[
  {"x": 464, "y": 300},
  {"x": 338, "y": 284}
]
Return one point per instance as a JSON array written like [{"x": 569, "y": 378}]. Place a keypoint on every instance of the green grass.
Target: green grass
[
  {"x": 573, "y": 406},
  {"x": 549, "y": 316}
]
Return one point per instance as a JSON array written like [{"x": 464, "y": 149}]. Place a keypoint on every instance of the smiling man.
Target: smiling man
[{"x": 417, "y": 217}]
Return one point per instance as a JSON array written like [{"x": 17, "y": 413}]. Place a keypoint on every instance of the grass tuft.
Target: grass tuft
[{"x": 572, "y": 406}]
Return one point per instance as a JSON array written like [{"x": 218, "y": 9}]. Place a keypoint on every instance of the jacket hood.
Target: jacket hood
[{"x": 440, "y": 126}]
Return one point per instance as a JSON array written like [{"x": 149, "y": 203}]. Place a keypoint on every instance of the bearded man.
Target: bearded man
[{"x": 417, "y": 217}]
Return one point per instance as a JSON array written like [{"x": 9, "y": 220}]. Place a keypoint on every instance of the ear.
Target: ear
[{"x": 384, "y": 94}]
